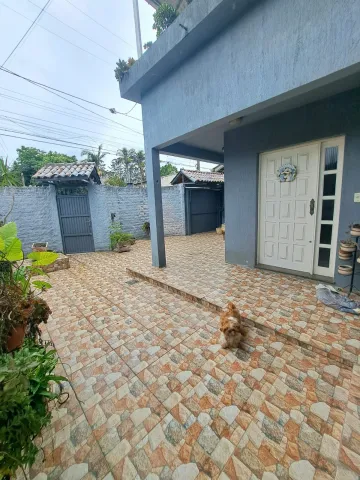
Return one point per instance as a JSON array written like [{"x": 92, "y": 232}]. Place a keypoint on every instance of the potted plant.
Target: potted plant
[
  {"x": 20, "y": 308},
  {"x": 120, "y": 241},
  {"x": 39, "y": 247},
  {"x": 355, "y": 229},
  {"x": 146, "y": 228},
  {"x": 345, "y": 269},
  {"x": 27, "y": 383},
  {"x": 348, "y": 245}
]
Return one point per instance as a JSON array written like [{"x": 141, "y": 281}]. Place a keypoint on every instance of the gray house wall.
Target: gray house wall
[
  {"x": 35, "y": 213},
  {"x": 274, "y": 50},
  {"x": 338, "y": 115}
]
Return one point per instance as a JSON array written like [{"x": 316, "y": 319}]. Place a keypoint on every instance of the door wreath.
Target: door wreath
[{"x": 287, "y": 173}]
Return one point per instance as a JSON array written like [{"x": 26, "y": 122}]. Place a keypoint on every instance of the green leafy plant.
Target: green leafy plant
[
  {"x": 7, "y": 177},
  {"x": 122, "y": 67},
  {"x": 146, "y": 228},
  {"x": 164, "y": 17},
  {"x": 19, "y": 305},
  {"x": 118, "y": 238},
  {"x": 27, "y": 382},
  {"x": 147, "y": 45}
]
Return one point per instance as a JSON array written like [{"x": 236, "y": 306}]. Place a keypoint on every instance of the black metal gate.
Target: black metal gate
[
  {"x": 75, "y": 223},
  {"x": 203, "y": 209}
]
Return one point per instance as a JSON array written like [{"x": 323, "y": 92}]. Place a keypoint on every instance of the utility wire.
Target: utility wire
[
  {"x": 50, "y": 143},
  {"x": 39, "y": 125},
  {"x": 72, "y": 116},
  {"x": 75, "y": 30},
  {"x": 53, "y": 90},
  {"x": 69, "y": 144},
  {"x": 56, "y": 131},
  {"x": 98, "y": 23},
  {"x": 62, "y": 106},
  {"x": 56, "y": 35},
  {"x": 26, "y": 33}
]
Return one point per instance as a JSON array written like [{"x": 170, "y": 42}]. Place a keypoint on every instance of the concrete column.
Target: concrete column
[{"x": 153, "y": 181}]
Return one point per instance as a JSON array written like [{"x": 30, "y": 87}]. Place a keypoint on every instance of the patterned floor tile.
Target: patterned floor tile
[
  {"x": 124, "y": 417},
  {"x": 100, "y": 378}
]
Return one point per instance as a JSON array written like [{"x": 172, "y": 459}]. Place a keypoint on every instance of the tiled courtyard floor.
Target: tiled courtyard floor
[
  {"x": 154, "y": 396},
  {"x": 283, "y": 303}
]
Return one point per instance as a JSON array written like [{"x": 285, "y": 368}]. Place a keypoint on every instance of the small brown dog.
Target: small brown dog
[{"x": 231, "y": 327}]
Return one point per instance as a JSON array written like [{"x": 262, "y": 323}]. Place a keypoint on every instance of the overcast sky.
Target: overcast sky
[{"x": 75, "y": 64}]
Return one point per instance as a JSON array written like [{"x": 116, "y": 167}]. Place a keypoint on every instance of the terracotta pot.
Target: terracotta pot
[
  {"x": 15, "y": 340},
  {"x": 345, "y": 269},
  {"x": 346, "y": 247}
]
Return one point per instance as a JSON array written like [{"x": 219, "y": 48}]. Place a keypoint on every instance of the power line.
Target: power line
[
  {"x": 75, "y": 30},
  {"x": 66, "y": 114},
  {"x": 27, "y": 31},
  {"x": 64, "y": 98},
  {"x": 112, "y": 110},
  {"x": 98, "y": 23},
  {"x": 64, "y": 144},
  {"x": 55, "y": 131},
  {"x": 44, "y": 101},
  {"x": 59, "y": 36},
  {"x": 62, "y": 124}
]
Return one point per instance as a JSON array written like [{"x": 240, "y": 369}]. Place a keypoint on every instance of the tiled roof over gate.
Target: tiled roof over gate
[
  {"x": 62, "y": 171},
  {"x": 196, "y": 176}
]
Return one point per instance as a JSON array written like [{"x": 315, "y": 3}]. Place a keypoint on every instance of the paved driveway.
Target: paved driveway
[{"x": 154, "y": 396}]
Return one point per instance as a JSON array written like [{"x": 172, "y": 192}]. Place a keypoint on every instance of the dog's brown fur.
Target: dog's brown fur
[{"x": 231, "y": 325}]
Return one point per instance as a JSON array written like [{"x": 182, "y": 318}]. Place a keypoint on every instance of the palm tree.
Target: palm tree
[
  {"x": 123, "y": 166},
  {"x": 139, "y": 160},
  {"x": 7, "y": 177},
  {"x": 97, "y": 157}
]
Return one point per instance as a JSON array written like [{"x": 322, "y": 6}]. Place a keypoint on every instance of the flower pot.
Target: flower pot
[
  {"x": 355, "y": 232},
  {"x": 348, "y": 247},
  {"x": 345, "y": 269},
  {"x": 39, "y": 247},
  {"x": 122, "y": 247},
  {"x": 344, "y": 257},
  {"x": 15, "y": 340}
]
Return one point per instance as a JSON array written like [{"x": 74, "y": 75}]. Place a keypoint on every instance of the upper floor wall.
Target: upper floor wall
[{"x": 268, "y": 50}]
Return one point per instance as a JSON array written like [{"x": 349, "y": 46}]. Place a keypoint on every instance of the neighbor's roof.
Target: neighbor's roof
[
  {"x": 64, "y": 171},
  {"x": 196, "y": 176}
]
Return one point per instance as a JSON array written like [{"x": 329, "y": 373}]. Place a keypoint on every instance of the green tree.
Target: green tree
[
  {"x": 168, "y": 169},
  {"x": 30, "y": 160},
  {"x": 96, "y": 157},
  {"x": 7, "y": 177},
  {"x": 129, "y": 165},
  {"x": 114, "y": 181},
  {"x": 139, "y": 160}
]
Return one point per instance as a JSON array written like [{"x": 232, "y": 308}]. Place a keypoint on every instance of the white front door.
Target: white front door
[{"x": 288, "y": 210}]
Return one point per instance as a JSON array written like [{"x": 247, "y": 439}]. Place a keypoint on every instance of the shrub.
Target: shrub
[
  {"x": 164, "y": 17},
  {"x": 26, "y": 380},
  {"x": 118, "y": 237}
]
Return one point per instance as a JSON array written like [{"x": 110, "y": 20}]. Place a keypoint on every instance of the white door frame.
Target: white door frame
[
  {"x": 322, "y": 144},
  {"x": 340, "y": 143}
]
